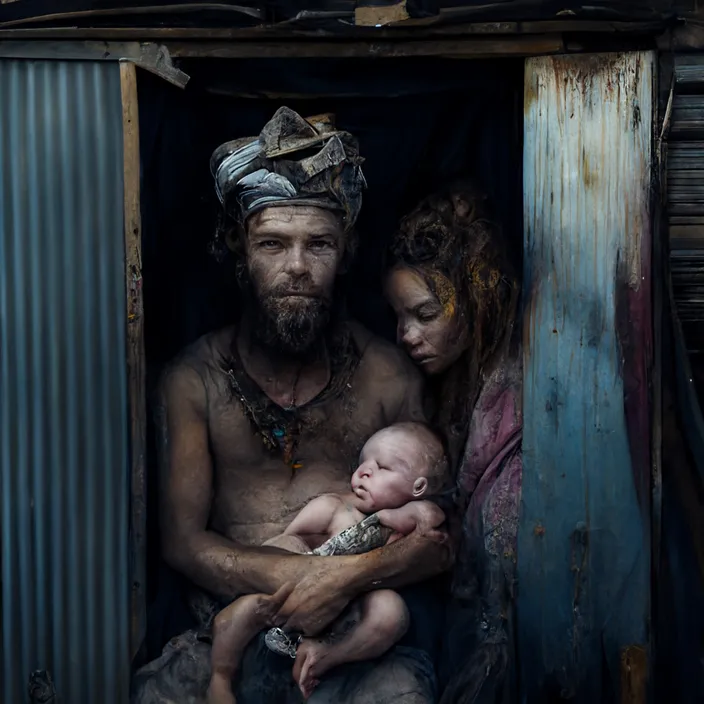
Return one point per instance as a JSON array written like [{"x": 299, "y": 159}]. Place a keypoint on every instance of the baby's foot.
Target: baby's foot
[{"x": 312, "y": 662}]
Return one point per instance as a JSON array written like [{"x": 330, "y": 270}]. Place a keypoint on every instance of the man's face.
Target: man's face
[{"x": 293, "y": 257}]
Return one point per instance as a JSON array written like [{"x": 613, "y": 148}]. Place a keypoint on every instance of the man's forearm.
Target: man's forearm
[
  {"x": 230, "y": 569},
  {"x": 406, "y": 561}
]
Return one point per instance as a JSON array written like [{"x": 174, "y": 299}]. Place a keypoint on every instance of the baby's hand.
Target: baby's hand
[{"x": 423, "y": 517}]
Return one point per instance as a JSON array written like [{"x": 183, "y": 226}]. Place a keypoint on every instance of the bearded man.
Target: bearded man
[{"x": 259, "y": 418}]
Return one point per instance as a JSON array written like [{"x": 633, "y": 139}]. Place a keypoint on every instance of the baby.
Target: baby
[{"x": 399, "y": 466}]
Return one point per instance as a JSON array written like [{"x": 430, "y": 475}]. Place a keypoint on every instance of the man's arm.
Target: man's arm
[{"x": 186, "y": 490}]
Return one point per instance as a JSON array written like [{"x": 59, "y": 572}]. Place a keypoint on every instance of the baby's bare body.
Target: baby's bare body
[{"x": 374, "y": 623}]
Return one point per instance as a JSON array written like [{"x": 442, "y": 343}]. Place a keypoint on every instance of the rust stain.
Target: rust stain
[
  {"x": 531, "y": 89},
  {"x": 634, "y": 675},
  {"x": 589, "y": 175},
  {"x": 539, "y": 531}
]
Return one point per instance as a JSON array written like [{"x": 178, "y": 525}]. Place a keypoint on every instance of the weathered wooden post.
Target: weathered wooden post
[{"x": 584, "y": 540}]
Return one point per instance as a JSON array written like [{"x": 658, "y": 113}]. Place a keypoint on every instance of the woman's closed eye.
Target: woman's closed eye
[{"x": 426, "y": 313}]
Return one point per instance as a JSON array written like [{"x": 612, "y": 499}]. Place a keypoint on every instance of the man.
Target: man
[{"x": 259, "y": 418}]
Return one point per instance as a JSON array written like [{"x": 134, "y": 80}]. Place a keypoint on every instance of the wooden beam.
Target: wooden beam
[
  {"x": 154, "y": 58},
  {"x": 136, "y": 366},
  {"x": 162, "y": 10},
  {"x": 474, "y": 47},
  {"x": 287, "y": 30}
]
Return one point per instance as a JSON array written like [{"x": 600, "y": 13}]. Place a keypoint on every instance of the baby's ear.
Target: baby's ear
[{"x": 420, "y": 486}]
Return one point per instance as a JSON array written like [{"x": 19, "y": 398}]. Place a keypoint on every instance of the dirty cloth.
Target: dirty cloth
[
  {"x": 293, "y": 161},
  {"x": 477, "y": 663}
]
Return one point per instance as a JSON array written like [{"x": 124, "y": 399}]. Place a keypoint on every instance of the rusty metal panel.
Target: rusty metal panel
[
  {"x": 63, "y": 400},
  {"x": 685, "y": 198},
  {"x": 584, "y": 546}
]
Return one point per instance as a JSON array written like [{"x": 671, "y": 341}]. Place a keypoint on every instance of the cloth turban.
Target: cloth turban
[{"x": 294, "y": 161}]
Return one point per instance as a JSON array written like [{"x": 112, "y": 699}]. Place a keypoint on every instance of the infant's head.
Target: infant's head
[{"x": 398, "y": 464}]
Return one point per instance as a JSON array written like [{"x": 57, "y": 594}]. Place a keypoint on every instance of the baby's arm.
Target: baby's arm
[
  {"x": 315, "y": 517},
  {"x": 424, "y": 516},
  {"x": 312, "y": 522}
]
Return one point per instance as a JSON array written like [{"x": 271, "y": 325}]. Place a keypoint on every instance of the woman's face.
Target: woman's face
[{"x": 430, "y": 330}]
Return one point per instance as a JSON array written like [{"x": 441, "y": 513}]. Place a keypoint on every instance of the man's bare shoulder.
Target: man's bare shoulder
[
  {"x": 387, "y": 378},
  {"x": 194, "y": 365},
  {"x": 381, "y": 357}
]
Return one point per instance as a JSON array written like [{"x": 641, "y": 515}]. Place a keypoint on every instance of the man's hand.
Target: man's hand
[{"x": 319, "y": 598}]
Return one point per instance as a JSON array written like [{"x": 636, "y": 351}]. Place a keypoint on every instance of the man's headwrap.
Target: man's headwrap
[{"x": 294, "y": 161}]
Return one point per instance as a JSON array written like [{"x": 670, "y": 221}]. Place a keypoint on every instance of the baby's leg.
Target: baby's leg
[
  {"x": 382, "y": 621},
  {"x": 233, "y": 628}
]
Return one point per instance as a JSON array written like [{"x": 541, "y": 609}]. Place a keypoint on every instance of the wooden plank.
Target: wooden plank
[
  {"x": 146, "y": 54},
  {"x": 294, "y": 31},
  {"x": 162, "y": 10},
  {"x": 634, "y": 675},
  {"x": 136, "y": 369},
  {"x": 70, "y": 50},
  {"x": 470, "y": 47},
  {"x": 371, "y": 15},
  {"x": 150, "y": 56},
  {"x": 584, "y": 575}
]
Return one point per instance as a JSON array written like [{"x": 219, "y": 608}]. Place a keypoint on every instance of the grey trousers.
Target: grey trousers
[{"x": 181, "y": 674}]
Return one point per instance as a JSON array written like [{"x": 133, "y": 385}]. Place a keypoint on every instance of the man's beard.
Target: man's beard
[{"x": 287, "y": 325}]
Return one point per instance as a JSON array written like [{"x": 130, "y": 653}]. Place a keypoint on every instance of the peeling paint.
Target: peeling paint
[{"x": 584, "y": 585}]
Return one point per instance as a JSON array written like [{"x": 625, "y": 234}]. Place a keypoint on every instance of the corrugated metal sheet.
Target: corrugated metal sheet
[
  {"x": 583, "y": 554},
  {"x": 685, "y": 195},
  {"x": 63, "y": 417}
]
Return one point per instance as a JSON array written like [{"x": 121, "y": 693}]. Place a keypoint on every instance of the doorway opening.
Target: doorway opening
[{"x": 420, "y": 122}]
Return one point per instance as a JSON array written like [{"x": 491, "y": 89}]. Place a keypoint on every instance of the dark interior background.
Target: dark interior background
[{"x": 420, "y": 123}]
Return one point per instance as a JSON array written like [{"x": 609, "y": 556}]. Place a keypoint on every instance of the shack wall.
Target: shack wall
[
  {"x": 584, "y": 540},
  {"x": 63, "y": 399}
]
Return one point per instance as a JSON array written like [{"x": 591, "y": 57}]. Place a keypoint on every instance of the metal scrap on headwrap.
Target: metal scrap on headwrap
[{"x": 294, "y": 161}]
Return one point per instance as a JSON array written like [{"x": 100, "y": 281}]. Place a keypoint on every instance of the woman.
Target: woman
[{"x": 455, "y": 297}]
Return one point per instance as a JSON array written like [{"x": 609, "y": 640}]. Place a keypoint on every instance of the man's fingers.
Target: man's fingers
[
  {"x": 269, "y": 606},
  {"x": 284, "y": 611},
  {"x": 307, "y": 624},
  {"x": 281, "y": 595},
  {"x": 437, "y": 536}
]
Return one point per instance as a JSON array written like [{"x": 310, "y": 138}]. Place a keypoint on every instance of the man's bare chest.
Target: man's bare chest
[
  {"x": 332, "y": 432},
  {"x": 259, "y": 487}
]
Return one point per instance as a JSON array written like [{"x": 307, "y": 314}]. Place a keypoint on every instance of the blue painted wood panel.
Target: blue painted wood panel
[{"x": 583, "y": 586}]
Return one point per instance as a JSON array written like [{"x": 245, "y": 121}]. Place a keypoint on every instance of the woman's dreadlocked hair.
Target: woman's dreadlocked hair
[{"x": 450, "y": 233}]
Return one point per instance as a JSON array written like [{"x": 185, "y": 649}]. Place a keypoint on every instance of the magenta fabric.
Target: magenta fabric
[{"x": 477, "y": 666}]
